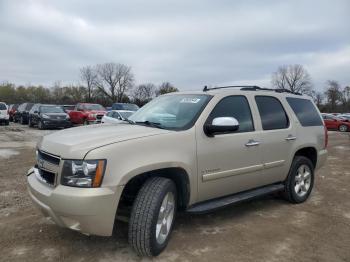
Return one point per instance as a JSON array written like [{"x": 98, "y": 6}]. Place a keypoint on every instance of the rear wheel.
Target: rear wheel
[
  {"x": 300, "y": 181},
  {"x": 343, "y": 128},
  {"x": 152, "y": 216}
]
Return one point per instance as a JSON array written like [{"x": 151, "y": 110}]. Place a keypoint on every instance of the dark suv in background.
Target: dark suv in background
[
  {"x": 48, "y": 116},
  {"x": 22, "y": 113}
]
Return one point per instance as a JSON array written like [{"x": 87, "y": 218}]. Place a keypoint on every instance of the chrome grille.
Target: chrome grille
[{"x": 47, "y": 166}]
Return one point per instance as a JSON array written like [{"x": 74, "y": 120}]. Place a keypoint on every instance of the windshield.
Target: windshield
[
  {"x": 96, "y": 107},
  {"x": 129, "y": 107},
  {"x": 125, "y": 114},
  {"x": 51, "y": 109},
  {"x": 175, "y": 112},
  {"x": 3, "y": 106}
]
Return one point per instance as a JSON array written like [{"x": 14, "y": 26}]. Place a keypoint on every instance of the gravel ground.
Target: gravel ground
[{"x": 268, "y": 229}]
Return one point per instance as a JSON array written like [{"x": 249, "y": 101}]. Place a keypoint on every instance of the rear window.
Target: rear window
[
  {"x": 305, "y": 111},
  {"x": 3, "y": 106}
]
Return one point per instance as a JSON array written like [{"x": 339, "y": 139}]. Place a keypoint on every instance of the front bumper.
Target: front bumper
[
  {"x": 56, "y": 123},
  {"x": 87, "y": 210}
]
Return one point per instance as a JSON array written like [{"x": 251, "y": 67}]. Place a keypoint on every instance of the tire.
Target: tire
[
  {"x": 22, "y": 120},
  {"x": 41, "y": 126},
  {"x": 30, "y": 124},
  {"x": 300, "y": 180},
  {"x": 145, "y": 215},
  {"x": 86, "y": 122},
  {"x": 7, "y": 122},
  {"x": 343, "y": 128}
]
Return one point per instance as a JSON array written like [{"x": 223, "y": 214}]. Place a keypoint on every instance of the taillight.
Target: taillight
[{"x": 325, "y": 136}]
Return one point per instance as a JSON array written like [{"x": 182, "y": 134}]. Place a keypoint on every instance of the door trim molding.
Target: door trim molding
[{"x": 232, "y": 172}]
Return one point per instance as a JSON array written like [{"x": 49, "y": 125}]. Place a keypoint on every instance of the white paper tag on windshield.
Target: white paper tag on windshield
[{"x": 190, "y": 100}]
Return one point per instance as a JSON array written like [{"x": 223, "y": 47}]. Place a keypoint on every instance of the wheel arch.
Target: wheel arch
[
  {"x": 310, "y": 152},
  {"x": 177, "y": 174}
]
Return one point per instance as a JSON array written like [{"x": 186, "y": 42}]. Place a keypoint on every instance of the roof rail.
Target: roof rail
[{"x": 253, "y": 88}]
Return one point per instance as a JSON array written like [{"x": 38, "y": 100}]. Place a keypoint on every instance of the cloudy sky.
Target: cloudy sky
[{"x": 189, "y": 43}]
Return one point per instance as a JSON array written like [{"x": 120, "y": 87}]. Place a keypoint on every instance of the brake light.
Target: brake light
[{"x": 325, "y": 136}]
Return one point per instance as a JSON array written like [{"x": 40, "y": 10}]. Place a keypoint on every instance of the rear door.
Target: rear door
[{"x": 277, "y": 138}]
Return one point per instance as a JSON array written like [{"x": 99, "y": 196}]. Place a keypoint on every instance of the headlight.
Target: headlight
[
  {"x": 45, "y": 116},
  {"x": 78, "y": 173},
  {"x": 92, "y": 115}
]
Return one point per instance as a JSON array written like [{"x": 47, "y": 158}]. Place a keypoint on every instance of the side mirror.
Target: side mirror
[
  {"x": 221, "y": 125},
  {"x": 36, "y": 112}
]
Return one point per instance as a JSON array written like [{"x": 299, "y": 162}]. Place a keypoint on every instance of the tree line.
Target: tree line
[
  {"x": 334, "y": 99},
  {"x": 113, "y": 82},
  {"x": 103, "y": 83}
]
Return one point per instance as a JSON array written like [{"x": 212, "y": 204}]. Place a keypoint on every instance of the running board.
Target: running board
[{"x": 217, "y": 203}]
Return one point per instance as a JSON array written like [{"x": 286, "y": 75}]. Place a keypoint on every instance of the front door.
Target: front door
[{"x": 229, "y": 163}]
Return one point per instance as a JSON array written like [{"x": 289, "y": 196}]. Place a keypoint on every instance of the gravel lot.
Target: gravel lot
[{"x": 267, "y": 229}]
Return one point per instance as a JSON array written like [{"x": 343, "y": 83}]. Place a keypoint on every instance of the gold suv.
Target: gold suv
[{"x": 189, "y": 151}]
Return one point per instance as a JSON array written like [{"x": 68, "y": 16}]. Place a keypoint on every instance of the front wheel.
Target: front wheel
[
  {"x": 343, "y": 128},
  {"x": 300, "y": 181},
  {"x": 152, "y": 216},
  {"x": 41, "y": 125}
]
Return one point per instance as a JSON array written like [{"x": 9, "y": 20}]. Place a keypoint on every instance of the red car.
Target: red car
[
  {"x": 334, "y": 123},
  {"x": 85, "y": 113}
]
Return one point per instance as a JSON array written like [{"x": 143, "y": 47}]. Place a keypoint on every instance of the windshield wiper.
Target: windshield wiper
[
  {"x": 129, "y": 121},
  {"x": 150, "y": 123}
]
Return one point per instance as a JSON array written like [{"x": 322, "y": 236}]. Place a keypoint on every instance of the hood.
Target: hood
[{"x": 76, "y": 142}]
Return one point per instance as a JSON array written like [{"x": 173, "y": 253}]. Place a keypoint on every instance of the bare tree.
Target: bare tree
[
  {"x": 114, "y": 80},
  {"x": 333, "y": 93},
  {"x": 318, "y": 98},
  {"x": 89, "y": 76},
  {"x": 165, "y": 88},
  {"x": 143, "y": 93},
  {"x": 292, "y": 77}
]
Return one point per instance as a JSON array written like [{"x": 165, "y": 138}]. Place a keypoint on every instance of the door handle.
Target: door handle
[
  {"x": 252, "y": 142},
  {"x": 290, "y": 137}
]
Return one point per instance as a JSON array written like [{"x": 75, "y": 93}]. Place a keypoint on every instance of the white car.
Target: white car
[
  {"x": 116, "y": 116},
  {"x": 4, "y": 114}
]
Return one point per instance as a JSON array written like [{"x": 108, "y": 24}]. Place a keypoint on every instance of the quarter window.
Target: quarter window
[
  {"x": 272, "y": 113},
  {"x": 237, "y": 107},
  {"x": 305, "y": 111}
]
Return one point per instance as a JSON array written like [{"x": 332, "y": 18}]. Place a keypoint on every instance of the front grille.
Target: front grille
[
  {"x": 47, "y": 165},
  {"x": 58, "y": 117},
  {"x": 47, "y": 176},
  {"x": 99, "y": 117},
  {"x": 49, "y": 158}
]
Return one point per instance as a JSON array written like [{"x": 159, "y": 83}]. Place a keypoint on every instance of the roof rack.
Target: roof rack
[{"x": 253, "y": 88}]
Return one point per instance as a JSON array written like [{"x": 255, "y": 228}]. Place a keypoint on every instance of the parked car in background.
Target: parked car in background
[
  {"x": 125, "y": 106},
  {"x": 4, "y": 114},
  {"x": 68, "y": 108},
  {"x": 116, "y": 116},
  {"x": 12, "y": 110},
  {"x": 85, "y": 113},
  {"x": 48, "y": 116},
  {"x": 334, "y": 123},
  {"x": 345, "y": 117},
  {"x": 22, "y": 113}
]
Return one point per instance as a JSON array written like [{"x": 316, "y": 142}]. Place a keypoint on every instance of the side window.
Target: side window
[
  {"x": 272, "y": 113},
  {"x": 237, "y": 107},
  {"x": 305, "y": 111},
  {"x": 109, "y": 114}
]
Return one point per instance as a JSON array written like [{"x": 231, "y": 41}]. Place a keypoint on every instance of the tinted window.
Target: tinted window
[
  {"x": 3, "y": 106},
  {"x": 237, "y": 107},
  {"x": 271, "y": 112},
  {"x": 129, "y": 107},
  {"x": 305, "y": 111}
]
